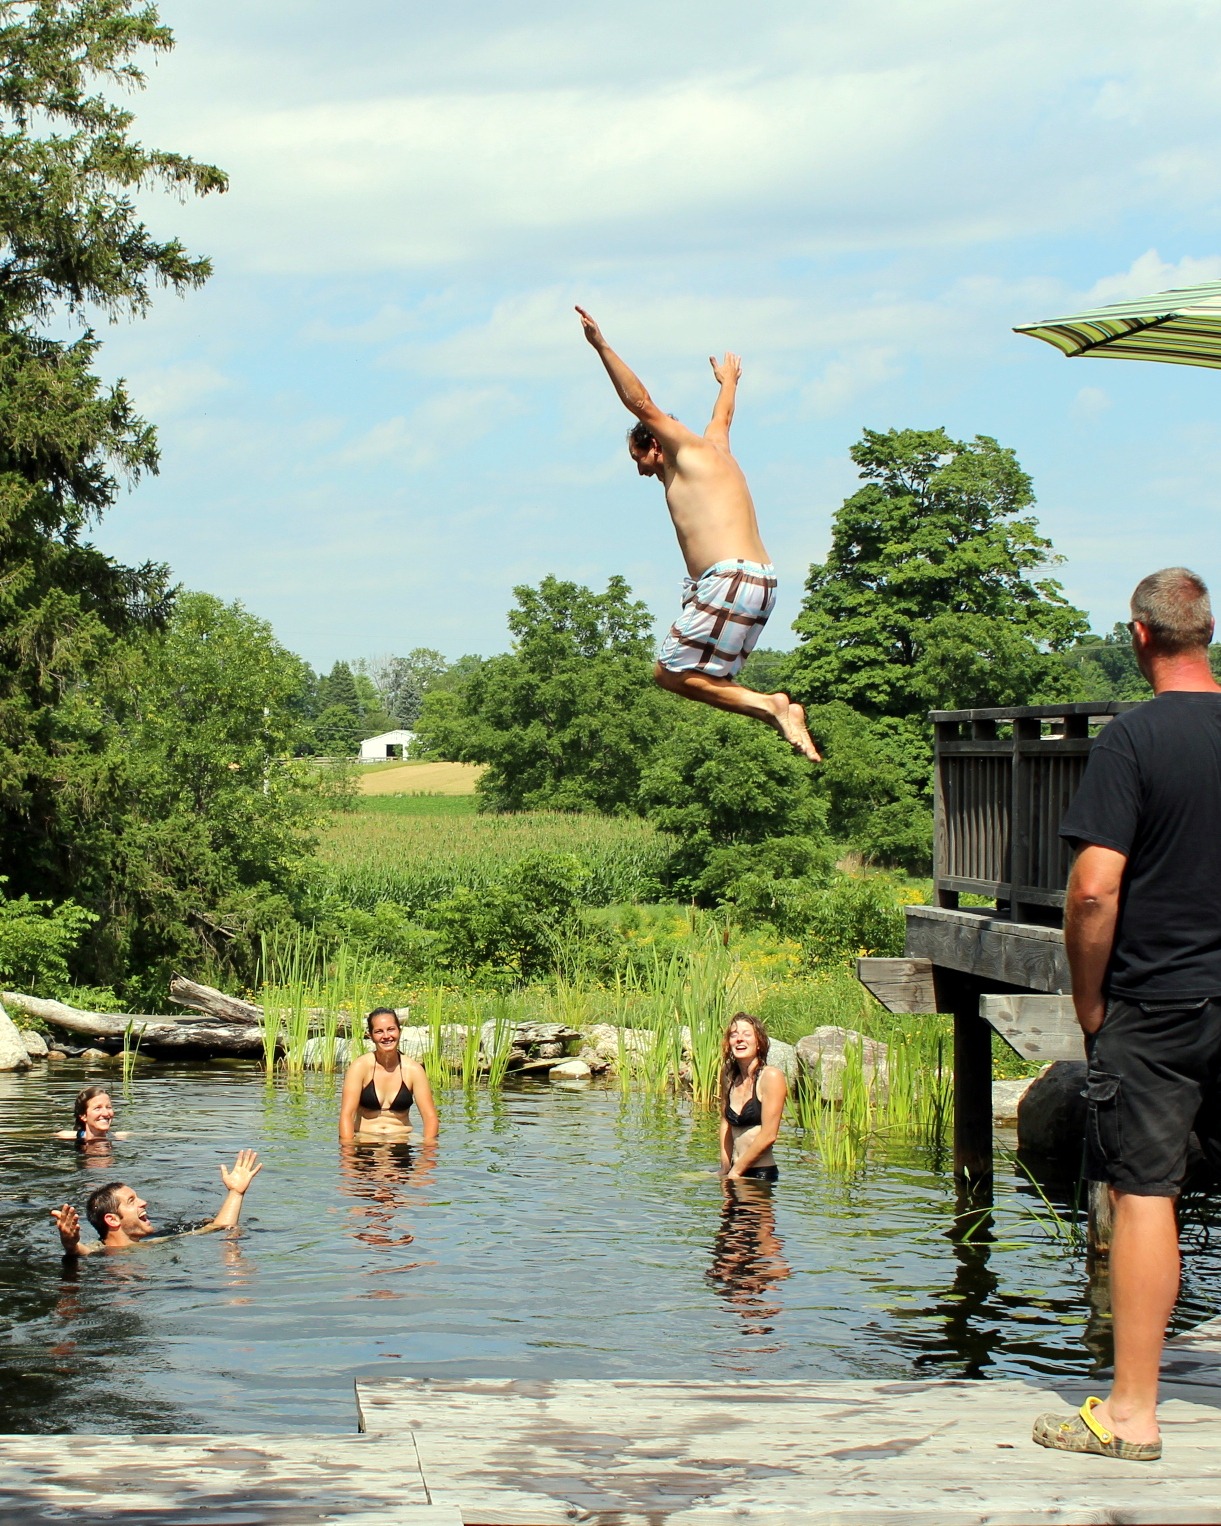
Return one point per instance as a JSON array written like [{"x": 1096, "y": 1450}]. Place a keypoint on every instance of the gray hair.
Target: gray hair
[{"x": 1173, "y": 604}]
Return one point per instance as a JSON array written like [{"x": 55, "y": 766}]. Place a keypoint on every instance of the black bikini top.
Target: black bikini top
[
  {"x": 751, "y": 1115},
  {"x": 371, "y": 1102}
]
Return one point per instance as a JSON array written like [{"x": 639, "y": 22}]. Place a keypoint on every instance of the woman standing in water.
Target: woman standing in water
[
  {"x": 94, "y": 1116},
  {"x": 752, "y": 1100},
  {"x": 379, "y": 1088}
]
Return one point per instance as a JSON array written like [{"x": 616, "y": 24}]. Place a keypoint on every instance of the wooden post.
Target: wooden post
[
  {"x": 959, "y": 994},
  {"x": 1100, "y": 1222}
]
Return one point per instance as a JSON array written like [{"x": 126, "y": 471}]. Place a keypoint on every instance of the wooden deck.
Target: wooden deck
[{"x": 511, "y": 1452}]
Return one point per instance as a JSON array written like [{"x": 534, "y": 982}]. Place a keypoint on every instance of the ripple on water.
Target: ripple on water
[{"x": 557, "y": 1233}]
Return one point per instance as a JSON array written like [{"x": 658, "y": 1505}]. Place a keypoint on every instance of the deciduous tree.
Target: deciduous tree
[
  {"x": 935, "y": 593},
  {"x": 566, "y": 719}
]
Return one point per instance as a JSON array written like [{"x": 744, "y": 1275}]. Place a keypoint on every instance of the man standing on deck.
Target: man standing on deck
[
  {"x": 730, "y": 587},
  {"x": 1142, "y": 928}
]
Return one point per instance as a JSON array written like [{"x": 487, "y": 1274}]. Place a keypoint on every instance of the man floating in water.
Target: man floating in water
[
  {"x": 120, "y": 1215},
  {"x": 730, "y": 587}
]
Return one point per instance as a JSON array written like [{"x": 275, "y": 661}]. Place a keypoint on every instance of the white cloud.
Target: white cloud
[
  {"x": 845, "y": 380},
  {"x": 168, "y": 391},
  {"x": 1150, "y": 273},
  {"x": 1090, "y": 403},
  {"x": 443, "y": 427}
]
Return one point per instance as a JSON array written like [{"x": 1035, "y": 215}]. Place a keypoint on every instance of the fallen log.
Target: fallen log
[
  {"x": 225, "y": 1009},
  {"x": 174, "y": 1037}
]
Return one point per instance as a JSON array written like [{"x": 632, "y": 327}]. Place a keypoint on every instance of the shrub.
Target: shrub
[
  {"x": 36, "y": 938},
  {"x": 855, "y": 916}
]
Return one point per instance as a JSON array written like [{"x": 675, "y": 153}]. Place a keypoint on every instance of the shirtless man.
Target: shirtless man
[
  {"x": 120, "y": 1215},
  {"x": 730, "y": 587}
]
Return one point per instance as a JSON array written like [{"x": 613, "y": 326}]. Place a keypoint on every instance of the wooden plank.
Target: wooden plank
[
  {"x": 901, "y": 985},
  {"x": 1040, "y": 1028},
  {"x": 223, "y": 1480},
  {"x": 540, "y": 1453},
  {"x": 1017, "y": 954},
  {"x": 1043, "y": 712}
]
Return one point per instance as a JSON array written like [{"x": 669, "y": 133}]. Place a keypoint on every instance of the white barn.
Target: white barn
[{"x": 378, "y": 749}]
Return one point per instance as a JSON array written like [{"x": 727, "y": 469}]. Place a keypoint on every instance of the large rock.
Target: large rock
[
  {"x": 821, "y": 1057},
  {"x": 784, "y": 1057},
  {"x": 13, "y": 1054},
  {"x": 1051, "y": 1115},
  {"x": 570, "y": 1070},
  {"x": 314, "y": 1055},
  {"x": 1006, "y": 1099},
  {"x": 35, "y": 1044},
  {"x": 96, "y": 1056},
  {"x": 602, "y": 1040}
]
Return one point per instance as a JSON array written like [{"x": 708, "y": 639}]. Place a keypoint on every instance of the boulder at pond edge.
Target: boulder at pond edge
[
  {"x": 1051, "y": 1115},
  {"x": 13, "y": 1054},
  {"x": 821, "y": 1056}
]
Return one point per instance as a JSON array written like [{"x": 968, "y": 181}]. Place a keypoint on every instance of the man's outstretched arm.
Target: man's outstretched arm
[
  {"x": 633, "y": 393},
  {"x": 727, "y": 373},
  {"x": 237, "y": 1179}
]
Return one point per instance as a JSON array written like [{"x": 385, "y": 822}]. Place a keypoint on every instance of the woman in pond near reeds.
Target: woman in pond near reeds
[
  {"x": 94, "y": 1116},
  {"x": 380, "y": 1087},
  {"x": 752, "y": 1099}
]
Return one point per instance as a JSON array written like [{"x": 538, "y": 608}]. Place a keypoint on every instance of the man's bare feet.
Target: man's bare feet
[{"x": 790, "y": 722}]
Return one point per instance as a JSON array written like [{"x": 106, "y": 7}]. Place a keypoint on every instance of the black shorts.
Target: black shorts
[
  {"x": 761, "y": 1173},
  {"x": 1154, "y": 1076}
]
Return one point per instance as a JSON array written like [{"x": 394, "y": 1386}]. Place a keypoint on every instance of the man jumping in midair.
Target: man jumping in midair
[{"x": 730, "y": 587}]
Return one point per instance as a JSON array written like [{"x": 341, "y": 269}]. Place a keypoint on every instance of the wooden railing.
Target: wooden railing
[{"x": 1002, "y": 781}]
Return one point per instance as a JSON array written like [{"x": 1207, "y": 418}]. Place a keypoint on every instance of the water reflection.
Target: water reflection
[
  {"x": 748, "y": 1257},
  {"x": 386, "y": 1179}
]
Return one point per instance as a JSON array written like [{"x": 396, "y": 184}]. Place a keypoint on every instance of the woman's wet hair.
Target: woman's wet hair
[
  {"x": 84, "y": 1098},
  {"x": 381, "y": 1012},
  {"x": 729, "y": 1065}
]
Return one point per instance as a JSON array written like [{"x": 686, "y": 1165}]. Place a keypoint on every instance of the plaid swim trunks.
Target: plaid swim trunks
[{"x": 724, "y": 611}]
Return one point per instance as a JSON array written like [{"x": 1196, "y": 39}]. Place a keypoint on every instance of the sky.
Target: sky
[{"x": 380, "y": 415}]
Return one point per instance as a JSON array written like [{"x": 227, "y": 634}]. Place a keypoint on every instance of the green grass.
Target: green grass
[{"x": 416, "y": 805}]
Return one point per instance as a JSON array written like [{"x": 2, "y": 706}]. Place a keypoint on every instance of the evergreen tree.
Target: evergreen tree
[
  {"x": 340, "y": 724},
  {"x": 71, "y": 245}
]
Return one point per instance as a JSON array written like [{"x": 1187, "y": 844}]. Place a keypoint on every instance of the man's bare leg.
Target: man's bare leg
[
  {"x": 1144, "y": 1286},
  {"x": 775, "y": 710}
]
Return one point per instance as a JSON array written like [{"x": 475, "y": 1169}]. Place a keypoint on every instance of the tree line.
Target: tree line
[{"x": 158, "y": 799}]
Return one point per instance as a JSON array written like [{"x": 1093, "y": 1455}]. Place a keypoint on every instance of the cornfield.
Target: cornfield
[{"x": 416, "y": 858}]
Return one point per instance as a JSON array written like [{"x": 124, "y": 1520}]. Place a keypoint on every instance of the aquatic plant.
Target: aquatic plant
[{"x": 131, "y": 1049}]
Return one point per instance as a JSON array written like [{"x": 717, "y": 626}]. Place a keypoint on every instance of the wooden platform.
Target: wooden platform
[{"x": 511, "y": 1452}]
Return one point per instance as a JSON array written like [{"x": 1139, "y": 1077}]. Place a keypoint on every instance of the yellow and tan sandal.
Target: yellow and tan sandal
[{"x": 1082, "y": 1433}]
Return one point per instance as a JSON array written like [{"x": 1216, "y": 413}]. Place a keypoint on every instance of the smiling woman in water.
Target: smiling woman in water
[
  {"x": 752, "y": 1099},
  {"x": 94, "y": 1117},
  {"x": 379, "y": 1088}
]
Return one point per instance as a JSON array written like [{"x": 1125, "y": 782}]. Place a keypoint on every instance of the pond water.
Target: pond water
[{"x": 561, "y": 1233}]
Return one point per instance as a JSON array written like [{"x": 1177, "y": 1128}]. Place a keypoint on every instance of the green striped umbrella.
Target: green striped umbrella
[{"x": 1182, "y": 327}]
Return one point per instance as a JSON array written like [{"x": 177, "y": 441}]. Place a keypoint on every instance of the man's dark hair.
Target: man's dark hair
[
  {"x": 101, "y": 1202},
  {"x": 640, "y": 438},
  {"x": 1173, "y": 604}
]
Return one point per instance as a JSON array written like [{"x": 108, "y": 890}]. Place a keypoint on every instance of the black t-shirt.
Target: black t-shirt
[{"x": 1152, "y": 791}]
